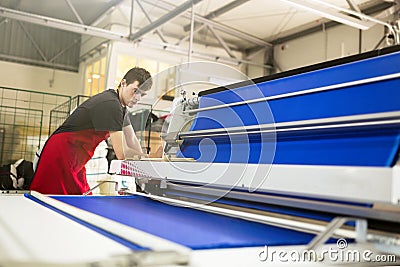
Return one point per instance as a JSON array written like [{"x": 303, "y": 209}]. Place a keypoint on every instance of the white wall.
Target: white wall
[
  {"x": 34, "y": 78},
  {"x": 335, "y": 42}
]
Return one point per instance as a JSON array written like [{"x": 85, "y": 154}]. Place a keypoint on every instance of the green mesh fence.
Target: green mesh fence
[
  {"x": 24, "y": 121},
  {"x": 60, "y": 113}
]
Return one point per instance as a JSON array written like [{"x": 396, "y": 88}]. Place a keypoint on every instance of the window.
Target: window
[
  {"x": 160, "y": 82},
  {"x": 95, "y": 77}
]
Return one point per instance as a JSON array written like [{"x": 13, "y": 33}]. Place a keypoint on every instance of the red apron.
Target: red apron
[{"x": 61, "y": 168}]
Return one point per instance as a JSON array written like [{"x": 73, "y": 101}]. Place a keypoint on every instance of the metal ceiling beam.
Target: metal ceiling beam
[
  {"x": 219, "y": 12},
  {"x": 217, "y": 26},
  {"x": 132, "y": 18},
  {"x": 59, "y": 24},
  {"x": 395, "y": 9},
  {"x": 233, "y": 32},
  {"x": 33, "y": 41},
  {"x": 188, "y": 36},
  {"x": 226, "y": 8},
  {"x": 191, "y": 35},
  {"x": 82, "y": 29},
  {"x": 384, "y": 8},
  {"x": 151, "y": 21},
  {"x": 74, "y": 11},
  {"x": 329, "y": 14},
  {"x": 200, "y": 39},
  {"x": 222, "y": 42},
  {"x": 13, "y": 6},
  {"x": 381, "y": 7},
  {"x": 353, "y": 5},
  {"x": 104, "y": 12},
  {"x": 367, "y": 19},
  {"x": 167, "y": 17}
]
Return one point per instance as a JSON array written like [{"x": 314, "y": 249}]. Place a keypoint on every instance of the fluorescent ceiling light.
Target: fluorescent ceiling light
[{"x": 331, "y": 14}]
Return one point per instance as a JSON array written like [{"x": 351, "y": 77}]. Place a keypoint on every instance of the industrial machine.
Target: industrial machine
[{"x": 299, "y": 168}]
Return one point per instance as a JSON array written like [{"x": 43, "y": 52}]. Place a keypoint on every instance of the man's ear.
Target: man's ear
[{"x": 123, "y": 82}]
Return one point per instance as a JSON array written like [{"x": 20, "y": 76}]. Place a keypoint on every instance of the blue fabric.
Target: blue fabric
[
  {"x": 192, "y": 228},
  {"x": 374, "y": 146}
]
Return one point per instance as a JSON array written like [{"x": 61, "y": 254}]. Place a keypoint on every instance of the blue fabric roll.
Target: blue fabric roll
[
  {"x": 368, "y": 146},
  {"x": 192, "y": 228}
]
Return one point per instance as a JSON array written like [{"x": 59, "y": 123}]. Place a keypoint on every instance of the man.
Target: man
[{"x": 61, "y": 167}]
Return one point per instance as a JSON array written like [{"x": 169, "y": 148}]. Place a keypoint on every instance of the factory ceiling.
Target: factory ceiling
[{"x": 50, "y": 33}]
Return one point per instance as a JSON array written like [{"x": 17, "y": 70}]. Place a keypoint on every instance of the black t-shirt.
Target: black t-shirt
[{"x": 102, "y": 112}]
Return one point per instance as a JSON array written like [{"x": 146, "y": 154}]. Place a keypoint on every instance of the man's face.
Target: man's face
[{"x": 131, "y": 94}]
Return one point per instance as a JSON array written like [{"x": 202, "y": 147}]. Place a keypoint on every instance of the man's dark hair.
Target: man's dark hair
[{"x": 141, "y": 75}]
